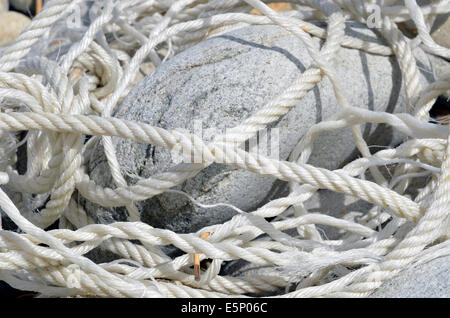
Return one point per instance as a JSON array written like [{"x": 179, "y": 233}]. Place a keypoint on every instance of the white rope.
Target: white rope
[{"x": 59, "y": 101}]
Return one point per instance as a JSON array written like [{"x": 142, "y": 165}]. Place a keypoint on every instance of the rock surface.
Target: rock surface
[
  {"x": 442, "y": 32},
  {"x": 224, "y": 80},
  {"x": 4, "y": 5},
  {"x": 337, "y": 205},
  {"x": 25, "y": 6},
  {"x": 429, "y": 280},
  {"x": 11, "y": 24}
]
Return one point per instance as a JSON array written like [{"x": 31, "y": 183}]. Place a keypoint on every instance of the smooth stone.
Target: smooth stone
[
  {"x": 25, "y": 6},
  {"x": 4, "y": 5},
  {"x": 441, "y": 33},
  {"x": 223, "y": 80},
  {"x": 427, "y": 280},
  {"x": 11, "y": 24}
]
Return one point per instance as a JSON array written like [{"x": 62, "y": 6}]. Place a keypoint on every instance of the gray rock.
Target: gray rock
[
  {"x": 429, "y": 280},
  {"x": 337, "y": 205},
  {"x": 25, "y": 6},
  {"x": 441, "y": 32},
  {"x": 224, "y": 80},
  {"x": 348, "y": 207}
]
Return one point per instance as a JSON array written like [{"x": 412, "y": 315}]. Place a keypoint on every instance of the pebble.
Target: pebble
[
  {"x": 11, "y": 24},
  {"x": 224, "y": 80}
]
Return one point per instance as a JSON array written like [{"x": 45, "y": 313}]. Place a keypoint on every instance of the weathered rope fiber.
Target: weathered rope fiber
[{"x": 60, "y": 84}]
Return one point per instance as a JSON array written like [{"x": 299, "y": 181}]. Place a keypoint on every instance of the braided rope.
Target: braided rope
[{"x": 73, "y": 97}]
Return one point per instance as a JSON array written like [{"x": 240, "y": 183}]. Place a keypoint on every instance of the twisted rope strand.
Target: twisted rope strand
[{"x": 61, "y": 84}]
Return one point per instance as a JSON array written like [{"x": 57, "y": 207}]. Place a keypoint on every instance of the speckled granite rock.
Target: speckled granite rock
[
  {"x": 224, "y": 80},
  {"x": 429, "y": 280}
]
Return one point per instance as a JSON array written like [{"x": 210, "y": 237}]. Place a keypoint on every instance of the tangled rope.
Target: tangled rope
[{"x": 61, "y": 84}]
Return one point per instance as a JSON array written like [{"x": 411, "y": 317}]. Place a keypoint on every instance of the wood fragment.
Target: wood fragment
[{"x": 197, "y": 258}]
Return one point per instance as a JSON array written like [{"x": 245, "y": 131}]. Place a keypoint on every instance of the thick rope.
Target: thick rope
[{"x": 68, "y": 82}]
